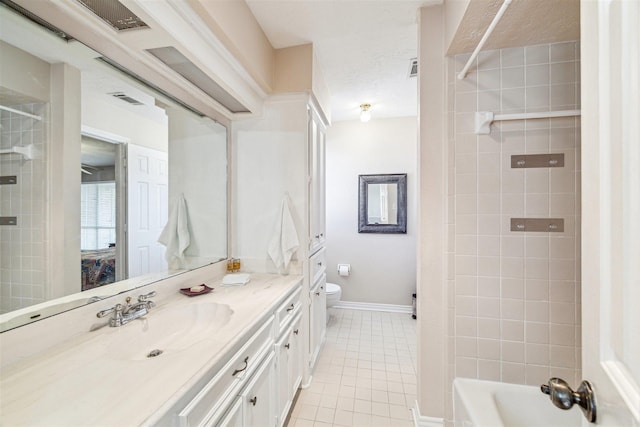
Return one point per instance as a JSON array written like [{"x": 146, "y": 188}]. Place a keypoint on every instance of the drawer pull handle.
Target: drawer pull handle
[
  {"x": 318, "y": 293},
  {"x": 246, "y": 364},
  {"x": 287, "y": 345},
  {"x": 291, "y": 307},
  {"x": 296, "y": 331},
  {"x": 254, "y": 400}
]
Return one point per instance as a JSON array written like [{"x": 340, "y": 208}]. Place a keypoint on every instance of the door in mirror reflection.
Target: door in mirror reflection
[{"x": 382, "y": 204}]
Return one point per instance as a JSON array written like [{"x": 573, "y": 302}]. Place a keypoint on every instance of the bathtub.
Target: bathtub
[{"x": 480, "y": 403}]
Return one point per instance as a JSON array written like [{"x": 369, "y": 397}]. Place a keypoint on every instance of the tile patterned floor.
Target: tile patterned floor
[{"x": 366, "y": 373}]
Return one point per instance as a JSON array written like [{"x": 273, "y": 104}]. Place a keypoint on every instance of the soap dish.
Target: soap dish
[{"x": 189, "y": 292}]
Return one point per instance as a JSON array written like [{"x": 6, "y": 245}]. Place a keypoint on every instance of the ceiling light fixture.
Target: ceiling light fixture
[{"x": 365, "y": 113}]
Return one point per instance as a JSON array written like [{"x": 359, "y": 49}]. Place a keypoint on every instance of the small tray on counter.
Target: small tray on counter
[{"x": 189, "y": 292}]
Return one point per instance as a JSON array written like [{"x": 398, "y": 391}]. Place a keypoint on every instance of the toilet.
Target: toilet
[{"x": 334, "y": 292}]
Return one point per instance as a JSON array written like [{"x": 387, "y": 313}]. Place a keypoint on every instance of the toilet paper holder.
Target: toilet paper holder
[{"x": 344, "y": 269}]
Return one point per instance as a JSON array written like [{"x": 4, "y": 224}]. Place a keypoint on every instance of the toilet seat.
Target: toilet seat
[
  {"x": 332, "y": 288},
  {"x": 333, "y": 294}
]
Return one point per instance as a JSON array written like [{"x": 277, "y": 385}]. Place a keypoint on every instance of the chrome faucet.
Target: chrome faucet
[
  {"x": 564, "y": 397},
  {"x": 123, "y": 314}
]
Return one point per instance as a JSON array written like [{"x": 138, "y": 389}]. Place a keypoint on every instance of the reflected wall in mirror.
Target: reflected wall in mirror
[
  {"x": 110, "y": 164},
  {"x": 382, "y": 203}
]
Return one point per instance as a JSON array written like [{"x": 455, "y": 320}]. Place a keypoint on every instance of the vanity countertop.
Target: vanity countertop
[{"x": 83, "y": 381}]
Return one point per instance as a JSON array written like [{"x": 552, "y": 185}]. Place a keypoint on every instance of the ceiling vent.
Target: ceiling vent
[
  {"x": 413, "y": 67},
  {"x": 148, "y": 84},
  {"x": 114, "y": 13},
  {"x": 175, "y": 60},
  {"x": 126, "y": 98}
]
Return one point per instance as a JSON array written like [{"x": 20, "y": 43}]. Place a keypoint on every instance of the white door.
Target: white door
[
  {"x": 147, "y": 206},
  {"x": 611, "y": 207}
]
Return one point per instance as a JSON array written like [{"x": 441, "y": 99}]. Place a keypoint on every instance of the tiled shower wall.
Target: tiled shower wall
[
  {"x": 22, "y": 246},
  {"x": 514, "y": 310}
]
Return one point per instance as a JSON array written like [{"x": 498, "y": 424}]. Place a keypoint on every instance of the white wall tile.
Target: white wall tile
[
  {"x": 489, "y": 79},
  {"x": 488, "y": 287},
  {"x": 537, "y": 75},
  {"x": 512, "y": 57},
  {"x": 522, "y": 289},
  {"x": 537, "y": 333},
  {"x": 537, "y": 54},
  {"x": 559, "y": 52}
]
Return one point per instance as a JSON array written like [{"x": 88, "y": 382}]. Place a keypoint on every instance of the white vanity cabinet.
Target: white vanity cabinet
[
  {"x": 258, "y": 383},
  {"x": 288, "y": 350},
  {"x": 317, "y": 186},
  {"x": 318, "y": 305},
  {"x": 288, "y": 368},
  {"x": 318, "y": 318},
  {"x": 258, "y": 397},
  {"x": 281, "y": 154},
  {"x": 213, "y": 401}
]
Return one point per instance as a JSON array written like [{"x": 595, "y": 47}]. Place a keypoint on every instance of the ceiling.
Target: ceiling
[
  {"x": 363, "y": 46},
  {"x": 525, "y": 23}
]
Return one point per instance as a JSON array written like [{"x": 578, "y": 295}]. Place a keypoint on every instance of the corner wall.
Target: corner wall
[{"x": 383, "y": 266}]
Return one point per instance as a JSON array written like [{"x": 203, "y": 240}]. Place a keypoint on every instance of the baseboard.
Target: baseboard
[
  {"x": 424, "y": 421},
  {"x": 391, "y": 308}
]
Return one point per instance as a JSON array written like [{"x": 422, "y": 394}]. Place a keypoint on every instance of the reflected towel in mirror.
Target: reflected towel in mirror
[
  {"x": 175, "y": 235},
  {"x": 284, "y": 238}
]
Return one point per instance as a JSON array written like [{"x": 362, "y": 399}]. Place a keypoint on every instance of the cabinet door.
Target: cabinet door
[
  {"x": 318, "y": 317},
  {"x": 233, "y": 418},
  {"x": 283, "y": 362},
  {"x": 317, "y": 182},
  {"x": 295, "y": 358},
  {"x": 258, "y": 398}
]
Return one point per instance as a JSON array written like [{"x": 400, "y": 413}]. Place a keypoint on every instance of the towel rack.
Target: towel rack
[
  {"x": 26, "y": 151},
  {"x": 484, "y": 119},
  {"x": 22, "y": 113}
]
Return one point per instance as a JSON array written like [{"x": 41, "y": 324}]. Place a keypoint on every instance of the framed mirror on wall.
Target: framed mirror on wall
[{"x": 382, "y": 203}]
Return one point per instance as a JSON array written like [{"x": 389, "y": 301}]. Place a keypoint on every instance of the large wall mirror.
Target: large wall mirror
[
  {"x": 95, "y": 165},
  {"x": 382, "y": 203}
]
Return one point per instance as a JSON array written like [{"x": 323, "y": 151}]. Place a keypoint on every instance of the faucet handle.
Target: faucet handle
[
  {"x": 564, "y": 397},
  {"x": 103, "y": 313},
  {"x": 117, "y": 309},
  {"x": 145, "y": 297}
]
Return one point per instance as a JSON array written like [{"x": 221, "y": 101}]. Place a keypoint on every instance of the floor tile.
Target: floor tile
[{"x": 365, "y": 375}]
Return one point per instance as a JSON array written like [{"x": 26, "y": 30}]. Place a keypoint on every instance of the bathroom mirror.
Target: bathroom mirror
[
  {"x": 382, "y": 203},
  {"x": 108, "y": 160}
]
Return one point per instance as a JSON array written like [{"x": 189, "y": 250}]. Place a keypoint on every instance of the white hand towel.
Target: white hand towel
[
  {"x": 175, "y": 235},
  {"x": 236, "y": 279},
  {"x": 284, "y": 239}
]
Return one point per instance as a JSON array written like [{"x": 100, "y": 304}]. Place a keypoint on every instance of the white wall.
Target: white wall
[
  {"x": 142, "y": 125},
  {"x": 383, "y": 266},
  {"x": 270, "y": 160},
  {"x": 198, "y": 170}
]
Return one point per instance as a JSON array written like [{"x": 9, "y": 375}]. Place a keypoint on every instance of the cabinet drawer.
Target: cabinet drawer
[
  {"x": 318, "y": 264},
  {"x": 287, "y": 310},
  {"x": 229, "y": 379}
]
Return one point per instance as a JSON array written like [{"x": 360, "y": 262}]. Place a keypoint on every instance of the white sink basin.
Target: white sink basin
[
  {"x": 169, "y": 330},
  {"x": 480, "y": 403}
]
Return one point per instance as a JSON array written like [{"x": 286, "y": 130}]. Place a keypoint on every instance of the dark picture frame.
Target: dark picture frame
[{"x": 365, "y": 222}]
